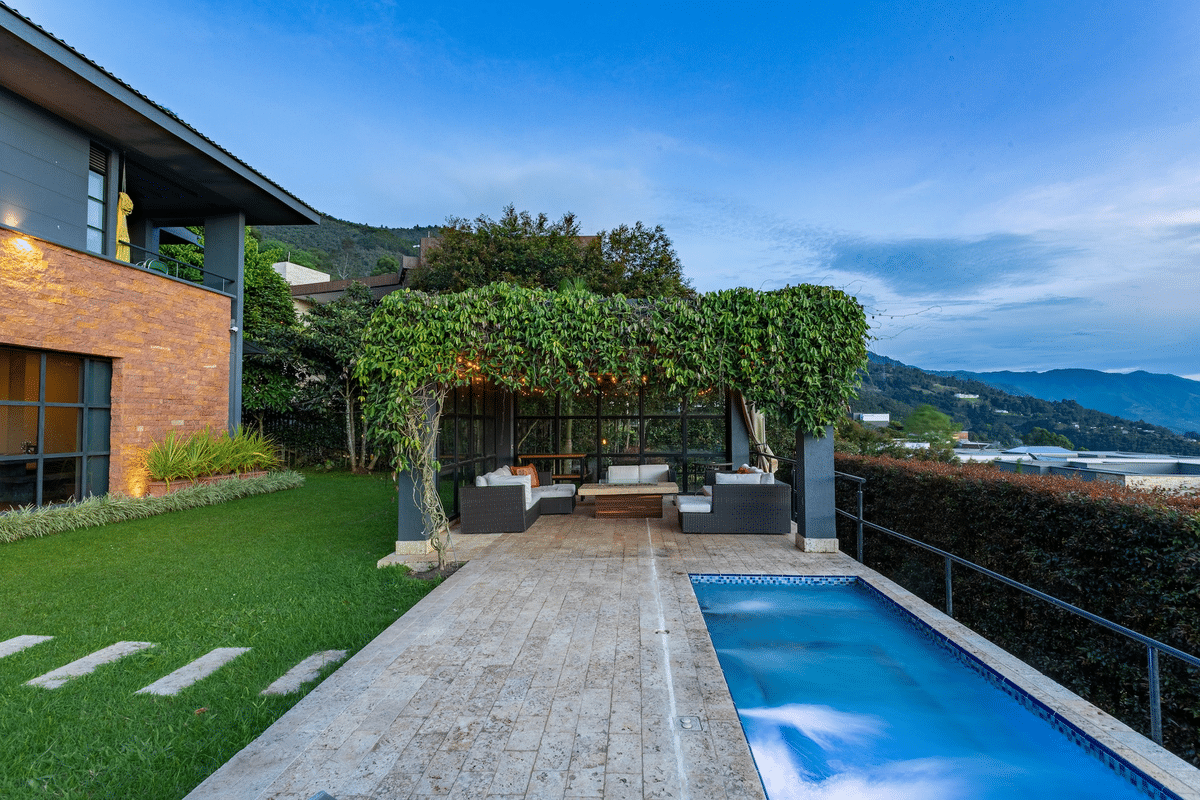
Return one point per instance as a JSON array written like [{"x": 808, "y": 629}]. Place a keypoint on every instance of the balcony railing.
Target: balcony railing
[
  {"x": 157, "y": 262},
  {"x": 1153, "y": 646}
]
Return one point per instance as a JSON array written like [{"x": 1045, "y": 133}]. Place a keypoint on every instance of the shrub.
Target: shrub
[
  {"x": 204, "y": 453},
  {"x": 1129, "y": 556}
]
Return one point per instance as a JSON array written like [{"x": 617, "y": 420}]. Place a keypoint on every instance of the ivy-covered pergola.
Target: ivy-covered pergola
[{"x": 796, "y": 351}]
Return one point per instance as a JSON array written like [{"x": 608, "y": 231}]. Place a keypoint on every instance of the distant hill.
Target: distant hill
[
  {"x": 998, "y": 416},
  {"x": 1166, "y": 400},
  {"x": 344, "y": 249}
]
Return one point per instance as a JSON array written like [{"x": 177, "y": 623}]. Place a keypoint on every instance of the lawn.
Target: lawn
[{"x": 285, "y": 574}]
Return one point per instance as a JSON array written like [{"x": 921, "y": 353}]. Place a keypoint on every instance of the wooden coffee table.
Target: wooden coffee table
[{"x": 625, "y": 500}]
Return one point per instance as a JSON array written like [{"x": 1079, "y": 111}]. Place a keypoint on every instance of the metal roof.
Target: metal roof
[{"x": 182, "y": 176}]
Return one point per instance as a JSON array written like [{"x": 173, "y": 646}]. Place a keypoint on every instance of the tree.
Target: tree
[
  {"x": 927, "y": 423},
  {"x": 535, "y": 252},
  {"x": 386, "y": 265},
  {"x": 1040, "y": 437},
  {"x": 331, "y": 343}
]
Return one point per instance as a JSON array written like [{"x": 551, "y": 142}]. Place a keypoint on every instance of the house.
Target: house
[{"x": 105, "y": 344}]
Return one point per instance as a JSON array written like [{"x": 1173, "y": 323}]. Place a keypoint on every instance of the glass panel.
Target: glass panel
[
  {"x": 97, "y": 430},
  {"x": 477, "y": 443},
  {"x": 465, "y": 445},
  {"x": 619, "y": 436},
  {"x": 619, "y": 402},
  {"x": 99, "y": 383},
  {"x": 477, "y": 400},
  {"x": 535, "y": 405},
  {"x": 18, "y": 427},
  {"x": 95, "y": 214},
  {"x": 97, "y": 475},
  {"x": 62, "y": 434},
  {"x": 659, "y": 402},
  {"x": 708, "y": 401},
  {"x": 95, "y": 185},
  {"x": 19, "y": 375},
  {"x": 583, "y": 405},
  {"x": 489, "y": 436},
  {"x": 95, "y": 240},
  {"x": 535, "y": 436},
  {"x": 578, "y": 435},
  {"x": 446, "y": 439},
  {"x": 706, "y": 436},
  {"x": 63, "y": 374},
  {"x": 446, "y": 493},
  {"x": 18, "y": 484},
  {"x": 60, "y": 480},
  {"x": 664, "y": 435}
]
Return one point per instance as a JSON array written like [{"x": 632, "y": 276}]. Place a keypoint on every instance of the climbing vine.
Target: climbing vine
[{"x": 796, "y": 350}]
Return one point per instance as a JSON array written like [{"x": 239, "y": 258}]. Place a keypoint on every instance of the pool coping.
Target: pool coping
[{"x": 1120, "y": 747}]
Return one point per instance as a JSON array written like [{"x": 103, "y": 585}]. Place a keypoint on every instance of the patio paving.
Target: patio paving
[
  {"x": 568, "y": 661},
  {"x": 557, "y": 663}
]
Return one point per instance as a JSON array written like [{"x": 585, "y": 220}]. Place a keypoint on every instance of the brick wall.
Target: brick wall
[{"x": 168, "y": 340}]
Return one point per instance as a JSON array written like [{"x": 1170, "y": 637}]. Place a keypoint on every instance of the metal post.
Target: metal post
[
  {"x": 860, "y": 523},
  {"x": 1155, "y": 703},
  {"x": 949, "y": 589}
]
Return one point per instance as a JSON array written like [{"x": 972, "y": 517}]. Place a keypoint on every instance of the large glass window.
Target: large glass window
[
  {"x": 623, "y": 425},
  {"x": 467, "y": 441},
  {"x": 54, "y": 427}
]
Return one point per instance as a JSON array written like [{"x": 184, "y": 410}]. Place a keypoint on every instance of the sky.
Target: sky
[{"x": 1008, "y": 185}]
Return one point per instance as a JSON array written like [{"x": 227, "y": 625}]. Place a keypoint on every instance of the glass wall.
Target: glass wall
[
  {"x": 468, "y": 440},
  {"x": 623, "y": 425},
  {"x": 55, "y": 411}
]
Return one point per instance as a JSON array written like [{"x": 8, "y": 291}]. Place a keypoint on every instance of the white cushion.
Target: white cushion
[
  {"x": 481, "y": 480},
  {"x": 767, "y": 478},
  {"x": 691, "y": 504},
  {"x": 623, "y": 474},
  {"x": 738, "y": 477},
  {"x": 515, "y": 480},
  {"x": 653, "y": 473},
  {"x": 554, "y": 490}
]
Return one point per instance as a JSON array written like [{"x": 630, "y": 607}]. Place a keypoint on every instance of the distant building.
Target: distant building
[
  {"x": 1135, "y": 470},
  {"x": 876, "y": 420},
  {"x": 962, "y": 396}
]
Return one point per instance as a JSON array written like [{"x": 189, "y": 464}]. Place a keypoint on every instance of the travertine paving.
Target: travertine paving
[
  {"x": 568, "y": 661},
  {"x": 87, "y": 664}
]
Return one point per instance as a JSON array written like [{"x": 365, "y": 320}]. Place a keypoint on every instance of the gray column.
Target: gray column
[
  {"x": 410, "y": 522},
  {"x": 739, "y": 437},
  {"x": 813, "y": 478},
  {"x": 224, "y": 260}
]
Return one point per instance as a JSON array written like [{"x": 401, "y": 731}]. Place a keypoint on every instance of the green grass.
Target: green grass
[{"x": 286, "y": 574}]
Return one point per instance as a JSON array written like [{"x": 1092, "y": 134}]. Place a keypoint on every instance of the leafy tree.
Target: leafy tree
[
  {"x": 386, "y": 265},
  {"x": 535, "y": 252},
  {"x": 331, "y": 343},
  {"x": 1040, "y": 437}
]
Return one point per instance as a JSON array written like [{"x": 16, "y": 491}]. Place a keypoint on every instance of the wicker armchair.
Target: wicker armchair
[
  {"x": 739, "y": 508},
  {"x": 501, "y": 509}
]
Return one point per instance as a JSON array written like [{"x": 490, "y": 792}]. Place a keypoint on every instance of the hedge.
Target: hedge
[{"x": 1129, "y": 556}]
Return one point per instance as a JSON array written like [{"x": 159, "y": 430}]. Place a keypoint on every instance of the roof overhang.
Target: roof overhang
[{"x": 156, "y": 144}]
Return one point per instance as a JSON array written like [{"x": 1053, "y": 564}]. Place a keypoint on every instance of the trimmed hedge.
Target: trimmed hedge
[
  {"x": 30, "y": 522},
  {"x": 1129, "y": 556}
]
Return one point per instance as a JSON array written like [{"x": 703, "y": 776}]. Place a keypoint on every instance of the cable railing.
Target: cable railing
[
  {"x": 157, "y": 262},
  {"x": 1153, "y": 646}
]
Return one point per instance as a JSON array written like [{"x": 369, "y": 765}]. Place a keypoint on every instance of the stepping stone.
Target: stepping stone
[
  {"x": 85, "y": 665},
  {"x": 307, "y": 670},
  {"x": 19, "y": 643},
  {"x": 185, "y": 676}
]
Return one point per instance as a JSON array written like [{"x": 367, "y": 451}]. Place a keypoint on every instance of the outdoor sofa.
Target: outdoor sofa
[
  {"x": 501, "y": 502},
  {"x": 738, "y": 503}
]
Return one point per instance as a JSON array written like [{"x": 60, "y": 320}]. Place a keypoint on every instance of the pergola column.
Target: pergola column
[
  {"x": 224, "y": 258},
  {"x": 813, "y": 479}
]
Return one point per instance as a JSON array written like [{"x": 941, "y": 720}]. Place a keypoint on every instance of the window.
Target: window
[
  {"x": 97, "y": 196},
  {"x": 55, "y": 411}
]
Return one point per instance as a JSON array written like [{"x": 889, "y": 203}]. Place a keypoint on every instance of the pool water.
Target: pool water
[{"x": 840, "y": 697}]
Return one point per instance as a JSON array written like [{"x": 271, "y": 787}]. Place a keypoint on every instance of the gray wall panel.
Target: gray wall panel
[{"x": 43, "y": 157}]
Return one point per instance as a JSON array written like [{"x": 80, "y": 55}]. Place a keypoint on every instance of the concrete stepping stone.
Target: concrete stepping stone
[
  {"x": 19, "y": 643},
  {"x": 186, "y": 675},
  {"x": 307, "y": 670},
  {"x": 87, "y": 664}
]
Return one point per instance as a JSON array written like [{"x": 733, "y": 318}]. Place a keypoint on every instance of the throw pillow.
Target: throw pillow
[{"x": 529, "y": 470}]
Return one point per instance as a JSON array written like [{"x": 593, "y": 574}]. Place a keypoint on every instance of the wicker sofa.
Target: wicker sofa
[
  {"x": 737, "y": 505},
  {"x": 508, "y": 505}
]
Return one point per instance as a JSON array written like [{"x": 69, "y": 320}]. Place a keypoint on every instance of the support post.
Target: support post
[
  {"x": 411, "y": 538},
  {"x": 224, "y": 260},
  {"x": 813, "y": 477}
]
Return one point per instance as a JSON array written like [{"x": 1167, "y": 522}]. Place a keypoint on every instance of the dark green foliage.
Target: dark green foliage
[
  {"x": 1131, "y": 557},
  {"x": 533, "y": 251},
  {"x": 323, "y": 246},
  {"x": 1044, "y": 438},
  {"x": 386, "y": 265}
]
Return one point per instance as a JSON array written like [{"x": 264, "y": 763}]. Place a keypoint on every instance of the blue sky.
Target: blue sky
[{"x": 1003, "y": 185}]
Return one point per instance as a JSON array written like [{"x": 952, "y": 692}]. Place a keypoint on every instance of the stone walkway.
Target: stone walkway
[{"x": 568, "y": 661}]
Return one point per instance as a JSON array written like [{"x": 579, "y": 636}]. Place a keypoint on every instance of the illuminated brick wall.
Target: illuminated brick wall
[{"x": 168, "y": 340}]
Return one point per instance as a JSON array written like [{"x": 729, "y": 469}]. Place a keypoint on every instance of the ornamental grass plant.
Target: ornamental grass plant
[{"x": 205, "y": 453}]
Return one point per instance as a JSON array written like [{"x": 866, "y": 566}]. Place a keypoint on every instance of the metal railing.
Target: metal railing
[
  {"x": 1153, "y": 646},
  {"x": 157, "y": 262}
]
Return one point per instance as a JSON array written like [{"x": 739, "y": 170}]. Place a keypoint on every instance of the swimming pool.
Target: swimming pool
[{"x": 844, "y": 694}]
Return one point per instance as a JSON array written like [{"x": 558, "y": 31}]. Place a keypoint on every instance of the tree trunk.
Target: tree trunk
[{"x": 351, "y": 443}]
